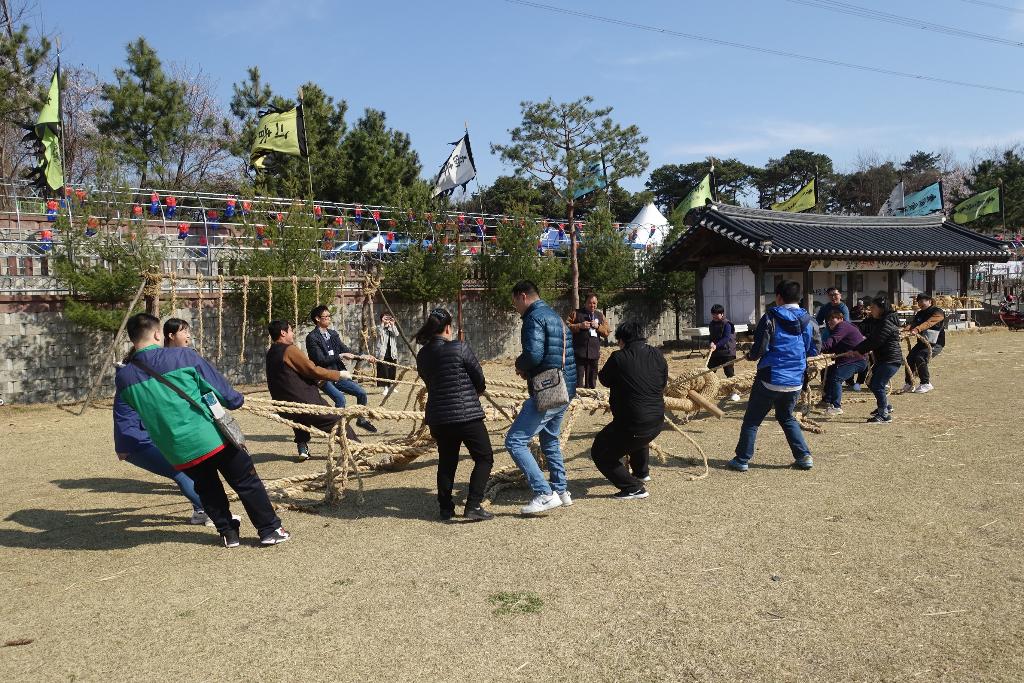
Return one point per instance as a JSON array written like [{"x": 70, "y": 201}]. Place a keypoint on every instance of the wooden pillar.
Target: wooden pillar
[
  {"x": 758, "y": 289},
  {"x": 893, "y": 288},
  {"x": 808, "y": 298},
  {"x": 698, "y": 299},
  {"x": 965, "y": 278},
  {"x": 929, "y": 282}
]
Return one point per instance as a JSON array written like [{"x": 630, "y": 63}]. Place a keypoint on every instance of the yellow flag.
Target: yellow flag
[{"x": 805, "y": 198}]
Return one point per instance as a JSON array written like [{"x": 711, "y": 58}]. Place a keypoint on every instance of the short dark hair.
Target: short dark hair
[
  {"x": 589, "y": 296},
  {"x": 527, "y": 287},
  {"x": 277, "y": 327},
  {"x": 317, "y": 311},
  {"x": 836, "y": 313},
  {"x": 881, "y": 302},
  {"x": 789, "y": 290},
  {"x": 141, "y": 325},
  {"x": 925, "y": 296},
  {"x": 717, "y": 308},
  {"x": 629, "y": 331},
  {"x": 832, "y": 290},
  {"x": 173, "y": 326}
]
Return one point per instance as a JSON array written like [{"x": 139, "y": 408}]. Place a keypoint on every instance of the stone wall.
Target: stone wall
[{"x": 47, "y": 358}]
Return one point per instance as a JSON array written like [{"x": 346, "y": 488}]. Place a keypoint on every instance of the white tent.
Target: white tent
[{"x": 648, "y": 229}]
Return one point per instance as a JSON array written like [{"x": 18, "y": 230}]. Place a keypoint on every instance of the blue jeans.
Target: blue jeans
[
  {"x": 529, "y": 423},
  {"x": 337, "y": 391},
  {"x": 835, "y": 377},
  {"x": 762, "y": 400},
  {"x": 152, "y": 460},
  {"x": 880, "y": 376}
]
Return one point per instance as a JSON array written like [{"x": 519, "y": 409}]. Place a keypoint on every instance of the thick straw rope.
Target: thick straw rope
[
  {"x": 245, "y": 316},
  {"x": 220, "y": 316},
  {"x": 295, "y": 300},
  {"x": 200, "y": 285}
]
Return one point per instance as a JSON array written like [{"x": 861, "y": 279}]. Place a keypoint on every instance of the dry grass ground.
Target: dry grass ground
[{"x": 897, "y": 558}]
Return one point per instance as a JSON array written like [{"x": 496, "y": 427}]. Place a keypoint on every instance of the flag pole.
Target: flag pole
[
  {"x": 714, "y": 185},
  {"x": 60, "y": 125},
  {"x": 305, "y": 142},
  {"x": 1002, "y": 205},
  {"x": 483, "y": 228}
]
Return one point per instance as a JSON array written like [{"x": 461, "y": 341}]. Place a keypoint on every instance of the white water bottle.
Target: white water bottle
[{"x": 210, "y": 399}]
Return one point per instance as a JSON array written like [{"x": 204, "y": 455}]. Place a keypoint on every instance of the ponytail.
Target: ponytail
[{"x": 434, "y": 325}]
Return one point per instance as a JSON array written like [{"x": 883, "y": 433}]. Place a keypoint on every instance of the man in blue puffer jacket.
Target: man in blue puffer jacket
[
  {"x": 546, "y": 341},
  {"x": 785, "y": 336}
]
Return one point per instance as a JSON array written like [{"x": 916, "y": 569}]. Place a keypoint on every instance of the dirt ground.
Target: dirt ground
[{"x": 898, "y": 557}]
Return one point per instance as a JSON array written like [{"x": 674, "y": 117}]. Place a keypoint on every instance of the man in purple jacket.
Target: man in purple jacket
[{"x": 843, "y": 336}]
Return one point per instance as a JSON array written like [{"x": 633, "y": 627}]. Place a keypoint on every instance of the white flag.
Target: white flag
[
  {"x": 458, "y": 170},
  {"x": 894, "y": 205}
]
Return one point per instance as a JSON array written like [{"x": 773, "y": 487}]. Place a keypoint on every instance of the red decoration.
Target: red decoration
[
  {"x": 202, "y": 240},
  {"x": 212, "y": 214},
  {"x": 47, "y": 234},
  {"x": 93, "y": 222},
  {"x": 268, "y": 242},
  {"x": 391, "y": 237},
  {"x": 246, "y": 206},
  {"x": 480, "y": 221},
  {"x": 376, "y": 215},
  {"x": 171, "y": 200},
  {"x": 358, "y": 210},
  {"x": 67, "y": 191},
  {"x": 232, "y": 202},
  {"x": 80, "y": 194},
  {"x": 137, "y": 210},
  {"x": 462, "y": 219},
  {"x": 338, "y": 220},
  {"x": 328, "y": 234},
  {"x": 280, "y": 217},
  {"x": 52, "y": 205},
  {"x": 261, "y": 231},
  {"x": 318, "y": 210},
  {"x": 154, "y": 198}
]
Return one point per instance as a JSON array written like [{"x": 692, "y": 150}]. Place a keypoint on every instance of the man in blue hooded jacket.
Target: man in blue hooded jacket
[
  {"x": 785, "y": 336},
  {"x": 547, "y": 344}
]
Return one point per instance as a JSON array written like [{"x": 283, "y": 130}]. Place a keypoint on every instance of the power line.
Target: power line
[
  {"x": 886, "y": 17},
  {"x": 763, "y": 50},
  {"x": 995, "y": 5}
]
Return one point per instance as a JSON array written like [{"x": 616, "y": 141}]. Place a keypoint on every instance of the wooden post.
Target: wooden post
[
  {"x": 462, "y": 336},
  {"x": 113, "y": 348}
]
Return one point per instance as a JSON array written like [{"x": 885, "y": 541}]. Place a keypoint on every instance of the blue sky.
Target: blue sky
[{"x": 433, "y": 65}]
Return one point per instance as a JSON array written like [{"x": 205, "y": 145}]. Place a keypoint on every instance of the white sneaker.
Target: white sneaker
[
  {"x": 923, "y": 389},
  {"x": 542, "y": 503},
  {"x": 832, "y": 411},
  {"x": 856, "y": 386},
  {"x": 566, "y": 498},
  {"x": 645, "y": 479},
  {"x": 387, "y": 390},
  {"x": 200, "y": 517},
  {"x": 734, "y": 397},
  {"x": 907, "y": 388}
]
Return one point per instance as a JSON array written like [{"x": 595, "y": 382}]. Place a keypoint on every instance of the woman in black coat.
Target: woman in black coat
[
  {"x": 882, "y": 336},
  {"x": 454, "y": 384}
]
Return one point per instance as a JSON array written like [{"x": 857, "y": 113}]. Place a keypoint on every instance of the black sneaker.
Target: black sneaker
[
  {"x": 477, "y": 514},
  {"x": 880, "y": 419},
  {"x": 892, "y": 409},
  {"x": 631, "y": 495},
  {"x": 366, "y": 424},
  {"x": 303, "y": 452},
  {"x": 447, "y": 515},
  {"x": 278, "y": 535},
  {"x": 230, "y": 538}
]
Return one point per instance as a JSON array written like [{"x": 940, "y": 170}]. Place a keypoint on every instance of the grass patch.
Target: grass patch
[{"x": 507, "y": 602}]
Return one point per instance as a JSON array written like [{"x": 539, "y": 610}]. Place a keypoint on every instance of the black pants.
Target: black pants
[
  {"x": 613, "y": 442},
  {"x": 236, "y": 467},
  {"x": 450, "y": 438},
  {"x": 719, "y": 359},
  {"x": 918, "y": 359},
  {"x": 586, "y": 372},
  {"x": 386, "y": 371},
  {"x": 324, "y": 423}
]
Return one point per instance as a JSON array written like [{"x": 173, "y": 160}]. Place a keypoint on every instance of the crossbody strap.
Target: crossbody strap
[
  {"x": 563, "y": 342},
  {"x": 167, "y": 383}
]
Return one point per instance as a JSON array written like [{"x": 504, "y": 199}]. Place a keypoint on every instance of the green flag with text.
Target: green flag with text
[
  {"x": 979, "y": 205},
  {"x": 281, "y": 132},
  {"x": 805, "y": 198}
]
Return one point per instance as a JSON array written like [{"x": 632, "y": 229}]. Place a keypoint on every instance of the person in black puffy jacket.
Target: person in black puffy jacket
[
  {"x": 882, "y": 337},
  {"x": 636, "y": 376},
  {"x": 454, "y": 384}
]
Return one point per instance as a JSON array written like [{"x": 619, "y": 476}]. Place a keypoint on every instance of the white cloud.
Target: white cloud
[{"x": 774, "y": 135}]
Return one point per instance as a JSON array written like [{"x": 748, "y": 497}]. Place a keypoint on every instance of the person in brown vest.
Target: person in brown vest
[
  {"x": 292, "y": 376},
  {"x": 588, "y": 327}
]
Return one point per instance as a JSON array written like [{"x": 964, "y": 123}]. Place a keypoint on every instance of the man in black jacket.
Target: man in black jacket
[
  {"x": 930, "y": 323},
  {"x": 636, "y": 375},
  {"x": 325, "y": 349}
]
